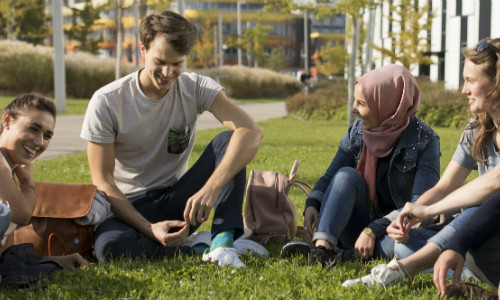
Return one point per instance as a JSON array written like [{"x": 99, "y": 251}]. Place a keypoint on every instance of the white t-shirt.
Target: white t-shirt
[{"x": 153, "y": 139}]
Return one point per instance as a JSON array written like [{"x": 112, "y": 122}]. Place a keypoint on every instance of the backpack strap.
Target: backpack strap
[
  {"x": 301, "y": 184},
  {"x": 294, "y": 169}
]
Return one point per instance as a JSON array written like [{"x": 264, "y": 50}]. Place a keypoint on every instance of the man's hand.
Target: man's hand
[
  {"x": 68, "y": 262},
  {"x": 161, "y": 231},
  {"x": 449, "y": 259},
  {"x": 364, "y": 246},
  {"x": 199, "y": 206},
  {"x": 310, "y": 221}
]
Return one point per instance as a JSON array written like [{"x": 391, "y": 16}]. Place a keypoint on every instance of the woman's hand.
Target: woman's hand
[
  {"x": 410, "y": 215},
  {"x": 24, "y": 174},
  {"x": 449, "y": 259},
  {"x": 68, "y": 262},
  {"x": 397, "y": 233},
  {"x": 364, "y": 246},
  {"x": 310, "y": 221}
]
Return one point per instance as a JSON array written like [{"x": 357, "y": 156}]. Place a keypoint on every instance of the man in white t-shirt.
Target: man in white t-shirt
[{"x": 141, "y": 131}]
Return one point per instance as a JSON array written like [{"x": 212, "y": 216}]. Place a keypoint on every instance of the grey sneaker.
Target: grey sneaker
[
  {"x": 224, "y": 257},
  {"x": 381, "y": 275}
]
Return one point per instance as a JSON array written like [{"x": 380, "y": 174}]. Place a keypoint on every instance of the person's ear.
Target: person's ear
[
  {"x": 143, "y": 49},
  {"x": 6, "y": 120}
]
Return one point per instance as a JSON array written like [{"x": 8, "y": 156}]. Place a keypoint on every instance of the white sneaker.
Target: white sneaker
[
  {"x": 381, "y": 275},
  {"x": 467, "y": 274},
  {"x": 197, "y": 238},
  {"x": 244, "y": 247},
  {"x": 247, "y": 232},
  {"x": 224, "y": 256}
]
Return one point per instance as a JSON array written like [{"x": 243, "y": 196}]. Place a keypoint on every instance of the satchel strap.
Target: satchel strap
[
  {"x": 301, "y": 184},
  {"x": 80, "y": 237}
]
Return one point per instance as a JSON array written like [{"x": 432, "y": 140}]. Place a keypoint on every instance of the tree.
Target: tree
[
  {"x": 23, "y": 20},
  {"x": 277, "y": 60},
  {"x": 83, "y": 21},
  {"x": 119, "y": 39},
  {"x": 159, "y": 5},
  {"x": 408, "y": 44},
  {"x": 203, "y": 50},
  {"x": 353, "y": 9},
  {"x": 332, "y": 59},
  {"x": 254, "y": 41}
]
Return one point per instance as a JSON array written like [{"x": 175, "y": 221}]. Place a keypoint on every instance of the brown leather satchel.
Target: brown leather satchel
[
  {"x": 269, "y": 211},
  {"x": 53, "y": 230}
]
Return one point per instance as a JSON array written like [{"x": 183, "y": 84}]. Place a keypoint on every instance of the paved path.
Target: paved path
[{"x": 67, "y": 139}]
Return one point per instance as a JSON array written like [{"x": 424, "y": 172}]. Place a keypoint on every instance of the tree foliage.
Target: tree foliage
[
  {"x": 158, "y": 5},
  {"x": 23, "y": 20},
  {"x": 277, "y": 60},
  {"x": 408, "y": 43},
  {"x": 205, "y": 46},
  {"x": 254, "y": 41},
  {"x": 83, "y": 23},
  {"x": 332, "y": 59}
]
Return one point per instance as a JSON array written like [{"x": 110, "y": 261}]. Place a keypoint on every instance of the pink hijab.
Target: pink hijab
[{"x": 392, "y": 95}]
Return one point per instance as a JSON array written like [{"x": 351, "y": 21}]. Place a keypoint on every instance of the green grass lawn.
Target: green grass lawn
[{"x": 314, "y": 143}]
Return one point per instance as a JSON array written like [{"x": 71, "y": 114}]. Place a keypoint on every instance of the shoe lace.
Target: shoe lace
[{"x": 382, "y": 274}]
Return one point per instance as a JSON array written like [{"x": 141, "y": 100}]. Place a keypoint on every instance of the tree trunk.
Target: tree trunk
[
  {"x": 119, "y": 38},
  {"x": 352, "y": 70}
]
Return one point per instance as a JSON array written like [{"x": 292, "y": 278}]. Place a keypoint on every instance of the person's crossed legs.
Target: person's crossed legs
[{"x": 114, "y": 238}]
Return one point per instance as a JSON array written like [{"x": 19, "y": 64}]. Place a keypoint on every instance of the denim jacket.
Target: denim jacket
[{"x": 414, "y": 165}]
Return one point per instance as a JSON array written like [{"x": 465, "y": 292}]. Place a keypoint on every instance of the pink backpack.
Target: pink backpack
[{"x": 269, "y": 211}]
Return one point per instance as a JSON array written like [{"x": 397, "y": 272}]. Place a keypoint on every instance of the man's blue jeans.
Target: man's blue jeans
[
  {"x": 114, "y": 238},
  {"x": 346, "y": 210}
]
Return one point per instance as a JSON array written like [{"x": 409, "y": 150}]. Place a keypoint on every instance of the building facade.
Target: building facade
[
  {"x": 455, "y": 24},
  {"x": 287, "y": 30}
]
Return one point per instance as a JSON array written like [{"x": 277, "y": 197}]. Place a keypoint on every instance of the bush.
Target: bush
[
  {"x": 438, "y": 106},
  {"x": 441, "y": 107},
  {"x": 27, "y": 68},
  {"x": 323, "y": 102},
  {"x": 251, "y": 83}
]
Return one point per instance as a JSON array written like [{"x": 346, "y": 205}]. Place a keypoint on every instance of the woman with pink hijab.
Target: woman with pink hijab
[{"x": 388, "y": 157}]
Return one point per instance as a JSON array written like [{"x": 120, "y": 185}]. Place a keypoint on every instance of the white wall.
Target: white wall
[
  {"x": 436, "y": 31},
  {"x": 452, "y": 54},
  {"x": 495, "y": 18}
]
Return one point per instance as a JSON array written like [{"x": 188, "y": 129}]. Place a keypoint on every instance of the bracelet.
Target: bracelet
[
  {"x": 29, "y": 187},
  {"x": 369, "y": 232}
]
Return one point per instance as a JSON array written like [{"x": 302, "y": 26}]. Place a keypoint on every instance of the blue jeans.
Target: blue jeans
[
  {"x": 420, "y": 237},
  {"x": 115, "y": 238},
  {"x": 346, "y": 210},
  {"x": 5, "y": 216}
]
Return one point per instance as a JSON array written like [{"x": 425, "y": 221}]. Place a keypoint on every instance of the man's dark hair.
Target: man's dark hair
[{"x": 179, "y": 32}]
